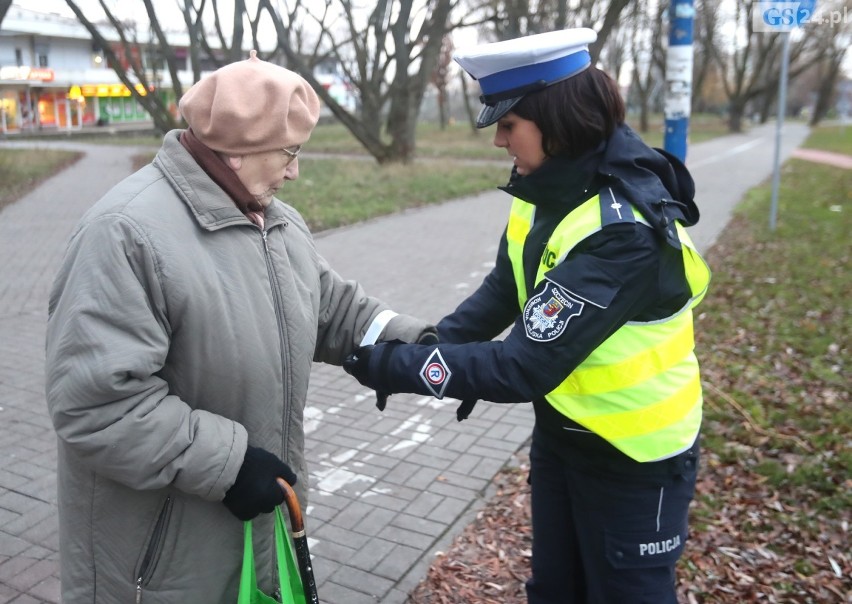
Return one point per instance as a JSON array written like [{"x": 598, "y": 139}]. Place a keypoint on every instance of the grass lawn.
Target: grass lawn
[
  {"x": 332, "y": 192},
  {"x": 23, "y": 169},
  {"x": 774, "y": 498},
  {"x": 459, "y": 141},
  {"x": 836, "y": 138}
]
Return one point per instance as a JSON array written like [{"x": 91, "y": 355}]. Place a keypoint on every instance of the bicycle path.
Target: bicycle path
[{"x": 388, "y": 490}]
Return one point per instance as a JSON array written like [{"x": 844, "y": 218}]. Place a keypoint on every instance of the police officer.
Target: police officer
[{"x": 598, "y": 277}]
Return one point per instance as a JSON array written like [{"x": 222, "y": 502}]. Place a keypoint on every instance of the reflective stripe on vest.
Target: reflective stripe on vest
[{"x": 640, "y": 389}]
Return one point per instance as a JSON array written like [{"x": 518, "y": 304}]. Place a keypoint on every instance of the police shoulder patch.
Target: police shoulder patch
[
  {"x": 436, "y": 374},
  {"x": 546, "y": 314}
]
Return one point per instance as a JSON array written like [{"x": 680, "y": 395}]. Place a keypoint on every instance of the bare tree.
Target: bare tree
[
  {"x": 468, "y": 106},
  {"x": 440, "y": 79},
  {"x": 140, "y": 61},
  {"x": 389, "y": 62},
  {"x": 829, "y": 66},
  {"x": 615, "y": 52},
  {"x": 647, "y": 54},
  {"x": 750, "y": 69},
  {"x": 508, "y": 19},
  {"x": 4, "y": 8},
  {"x": 705, "y": 36},
  {"x": 607, "y": 24},
  {"x": 130, "y": 67}
]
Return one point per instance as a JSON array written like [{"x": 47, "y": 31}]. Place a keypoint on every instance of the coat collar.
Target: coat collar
[
  {"x": 211, "y": 206},
  {"x": 559, "y": 182},
  {"x": 654, "y": 181}
]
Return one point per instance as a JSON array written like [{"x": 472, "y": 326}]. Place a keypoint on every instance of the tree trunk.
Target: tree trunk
[
  {"x": 825, "y": 93},
  {"x": 643, "y": 112},
  {"x": 766, "y": 102},
  {"x": 735, "y": 115},
  {"x": 442, "y": 107},
  {"x": 468, "y": 108}
]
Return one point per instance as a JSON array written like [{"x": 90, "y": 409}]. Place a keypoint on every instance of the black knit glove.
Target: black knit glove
[
  {"x": 255, "y": 490},
  {"x": 358, "y": 366},
  {"x": 428, "y": 338}
]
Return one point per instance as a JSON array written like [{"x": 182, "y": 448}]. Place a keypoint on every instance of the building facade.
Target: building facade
[{"x": 53, "y": 77}]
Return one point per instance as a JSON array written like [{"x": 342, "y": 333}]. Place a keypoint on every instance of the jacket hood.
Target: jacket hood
[{"x": 654, "y": 181}]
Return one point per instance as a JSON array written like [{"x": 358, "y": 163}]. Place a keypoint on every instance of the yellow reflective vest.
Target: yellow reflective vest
[{"x": 640, "y": 389}]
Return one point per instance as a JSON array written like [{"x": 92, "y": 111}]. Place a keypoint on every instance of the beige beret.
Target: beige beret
[{"x": 251, "y": 106}]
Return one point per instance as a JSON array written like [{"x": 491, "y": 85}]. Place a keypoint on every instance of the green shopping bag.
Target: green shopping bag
[{"x": 290, "y": 581}]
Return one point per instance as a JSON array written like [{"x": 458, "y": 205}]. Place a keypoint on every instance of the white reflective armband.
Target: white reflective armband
[{"x": 377, "y": 327}]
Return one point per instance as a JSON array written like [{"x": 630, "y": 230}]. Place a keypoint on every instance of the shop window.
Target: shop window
[{"x": 8, "y": 113}]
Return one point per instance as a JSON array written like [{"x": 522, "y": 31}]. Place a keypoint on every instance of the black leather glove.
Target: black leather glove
[
  {"x": 255, "y": 490},
  {"x": 357, "y": 365},
  {"x": 464, "y": 409}
]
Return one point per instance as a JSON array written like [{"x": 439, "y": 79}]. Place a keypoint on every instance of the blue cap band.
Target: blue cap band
[{"x": 548, "y": 72}]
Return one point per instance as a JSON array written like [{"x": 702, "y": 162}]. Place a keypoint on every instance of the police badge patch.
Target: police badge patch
[
  {"x": 546, "y": 315},
  {"x": 435, "y": 374}
]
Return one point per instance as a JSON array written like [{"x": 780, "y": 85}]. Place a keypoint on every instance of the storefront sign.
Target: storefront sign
[
  {"x": 107, "y": 90},
  {"x": 41, "y": 74}
]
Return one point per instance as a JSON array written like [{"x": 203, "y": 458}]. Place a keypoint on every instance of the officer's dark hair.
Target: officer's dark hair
[{"x": 574, "y": 115}]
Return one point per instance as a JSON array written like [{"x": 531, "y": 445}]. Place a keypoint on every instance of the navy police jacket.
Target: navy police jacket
[{"x": 626, "y": 271}]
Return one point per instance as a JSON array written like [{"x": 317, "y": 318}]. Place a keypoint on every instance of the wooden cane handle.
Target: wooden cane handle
[{"x": 296, "y": 522}]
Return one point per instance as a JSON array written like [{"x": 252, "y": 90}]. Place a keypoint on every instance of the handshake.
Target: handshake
[{"x": 369, "y": 365}]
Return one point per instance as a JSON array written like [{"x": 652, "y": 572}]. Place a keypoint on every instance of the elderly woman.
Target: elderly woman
[
  {"x": 184, "y": 321},
  {"x": 597, "y": 276}
]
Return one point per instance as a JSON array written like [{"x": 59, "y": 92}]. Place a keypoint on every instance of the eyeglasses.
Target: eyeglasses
[{"x": 292, "y": 155}]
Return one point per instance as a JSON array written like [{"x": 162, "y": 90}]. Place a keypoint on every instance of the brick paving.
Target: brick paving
[{"x": 387, "y": 490}]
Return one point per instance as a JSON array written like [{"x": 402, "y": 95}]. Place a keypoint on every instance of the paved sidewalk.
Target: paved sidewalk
[{"x": 388, "y": 490}]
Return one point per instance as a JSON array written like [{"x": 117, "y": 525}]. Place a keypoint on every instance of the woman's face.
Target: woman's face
[
  {"x": 263, "y": 174},
  {"x": 522, "y": 139}
]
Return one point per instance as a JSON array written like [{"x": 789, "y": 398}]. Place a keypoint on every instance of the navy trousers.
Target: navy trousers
[{"x": 606, "y": 530}]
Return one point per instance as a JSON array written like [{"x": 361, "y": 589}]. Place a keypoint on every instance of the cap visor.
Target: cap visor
[{"x": 491, "y": 113}]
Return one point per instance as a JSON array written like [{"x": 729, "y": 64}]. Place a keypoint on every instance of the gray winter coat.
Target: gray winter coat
[{"x": 178, "y": 333}]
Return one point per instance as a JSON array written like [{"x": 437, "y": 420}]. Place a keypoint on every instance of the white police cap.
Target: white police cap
[{"x": 510, "y": 69}]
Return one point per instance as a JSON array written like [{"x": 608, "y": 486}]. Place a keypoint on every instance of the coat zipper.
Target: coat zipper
[
  {"x": 279, "y": 315},
  {"x": 153, "y": 549},
  {"x": 285, "y": 367}
]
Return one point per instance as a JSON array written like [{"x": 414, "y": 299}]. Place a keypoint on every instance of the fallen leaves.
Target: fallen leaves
[{"x": 490, "y": 561}]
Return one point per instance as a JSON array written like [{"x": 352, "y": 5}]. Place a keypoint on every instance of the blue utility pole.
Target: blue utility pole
[{"x": 678, "y": 77}]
